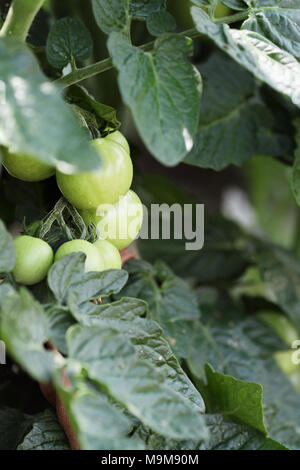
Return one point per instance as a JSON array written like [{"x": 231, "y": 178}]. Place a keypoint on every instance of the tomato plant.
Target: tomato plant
[{"x": 149, "y": 226}]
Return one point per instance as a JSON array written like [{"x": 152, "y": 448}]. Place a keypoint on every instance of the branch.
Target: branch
[
  {"x": 107, "y": 64},
  {"x": 20, "y": 17}
]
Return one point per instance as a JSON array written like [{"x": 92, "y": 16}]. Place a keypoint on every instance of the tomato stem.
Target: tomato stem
[{"x": 20, "y": 17}]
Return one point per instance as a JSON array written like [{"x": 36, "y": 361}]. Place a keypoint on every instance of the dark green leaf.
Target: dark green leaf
[
  {"x": 265, "y": 60},
  {"x": 163, "y": 91},
  {"x": 46, "y": 434},
  {"x": 140, "y": 9},
  {"x": 7, "y": 251},
  {"x": 160, "y": 22},
  {"x": 68, "y": 41},
  {"x": 295, "y": 177},
  {"x": 13, "y": 425},
  {"x": 113, "y": 363},
  {"x": 59, "y": 320},
  {"x": 111, "y": 15},
  {"x": 24, "y": 331},
  {"x": 67, "y": 275}
]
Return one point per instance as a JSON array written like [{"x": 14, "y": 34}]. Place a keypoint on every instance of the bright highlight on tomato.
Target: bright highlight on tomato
[
  {"x": 26, "y": 167},
  {"x": 93, "y": 260},
  {"x": 34, "y": 258},
  {"x": 119, "y": 223},
  {"x": 109, "y": 254},
  {"x": 90, "y": 189}
]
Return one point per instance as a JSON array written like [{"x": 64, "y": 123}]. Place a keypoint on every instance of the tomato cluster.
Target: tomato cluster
[{"x": 102, "y": 197}]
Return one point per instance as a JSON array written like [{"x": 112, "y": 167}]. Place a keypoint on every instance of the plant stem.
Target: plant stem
[
  {"x": 20, "y": 17},
  {"x": 241, "y": 15},
  {"x": 107, "y": 64}
]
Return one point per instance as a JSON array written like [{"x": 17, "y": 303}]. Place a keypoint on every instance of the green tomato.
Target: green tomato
[
  {"x": 26, "y": 167},
  {"x": 90, "y": 189},
  {"x": 93, "y": 260},
  {"x": 109, "y": 254},
  {"x": 221, "y": 10},
  {"x": 118, "y": 138},
  {"x": 33, "y": 259},
  {"x": 119, "y": 223}
]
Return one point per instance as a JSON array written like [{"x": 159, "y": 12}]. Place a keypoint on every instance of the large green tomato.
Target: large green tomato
[
  {"x": 118, "y": 138},
  {"x": 33, "y": 260},
  {"x": 26, "y": 167},
  {"x": 109, "y": 254},
  {"x": 90, "y": 189},
  {"x": 119, "y": 223},
  {"x": 93, "y": 260}
]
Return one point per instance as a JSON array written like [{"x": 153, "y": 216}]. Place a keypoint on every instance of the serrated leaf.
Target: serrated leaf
[
  {"x": 265, "y": 60},
  {"x": 236, "y": 399},
  {"x": 111, "y": 15},
  {"x": 46, "y": 434},
  {"x": 278, "y": 21},
  {"x": 160, "y": 22},
  {"x": 232, "y": 126},
  {"x": 53, "y": 137},
  {"x": 7, "y": 251},
  {"x": 146, "y": 337},
  {"x": 98, "y": 423},
  {"x": 163, "y": 91},
  {"x": 172, "y": 304},
  {"x": 68, "y": 40},
  {"x": 140, "y": 9},
  {"x": 23, "y": 328},
  {"x": 243, "y": 347},
  {"x": 113, "y": 363},
  {"x": 67, "y": 275}
]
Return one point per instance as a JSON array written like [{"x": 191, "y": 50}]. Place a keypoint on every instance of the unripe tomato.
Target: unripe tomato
[
  {"x": 221, "y": 10},
  {"x": 118, "y": 138},
  {"x": 90, "y": 189},
  {"x": 26, "y": 167},
  {"x": 33, "y": 259},
  {"x": 119, "y": 223},
  {"x": 109, "y": 254},
  {"x": 93, "y": 260}
]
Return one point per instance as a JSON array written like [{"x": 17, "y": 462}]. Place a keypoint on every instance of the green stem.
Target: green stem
[
  {"x": 241, "y": 15},
  {"x": 20, "y": 17},
  {"x": 107, "y": 64}
]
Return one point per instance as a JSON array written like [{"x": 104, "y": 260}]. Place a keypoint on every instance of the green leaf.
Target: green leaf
[
  {"x": 111, "y": 361},
  {"x": 232, "y": 436},
  {"x": 67, "y": 275},
  {"x": 52, "y": 136},
  {"x": 111, "y": 15},
  {"x": 23, "y": 327},
  {"x": 280, "y": 270},
  {"x": 235, "y": 4},
  {"x": 265, "y": 60},
  {"x": 171, "y": 302},
  {"x": 146, "y": 337},
  {"x": 104, "y": 116},
  {"x": 68, "y": 41},
  {"x": 98, "y": 423},
  {"x": 243, "y": 347},
  {"x": 163, "y": 91},
  {"x": 160, "y": 22},
  {"x": 232, "y": 128},
  {"x": 46, "y": 434},
  {"x": 13, "y": 425},
  {"x": 295, "y": 176},
  {"x": 236, "y": 399},
  {"x": 141, "y": 9},
  {"x": 278, "y": 21},
  {"x": 59, "y": 320},
  {"x": 7, "y": 251}
]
